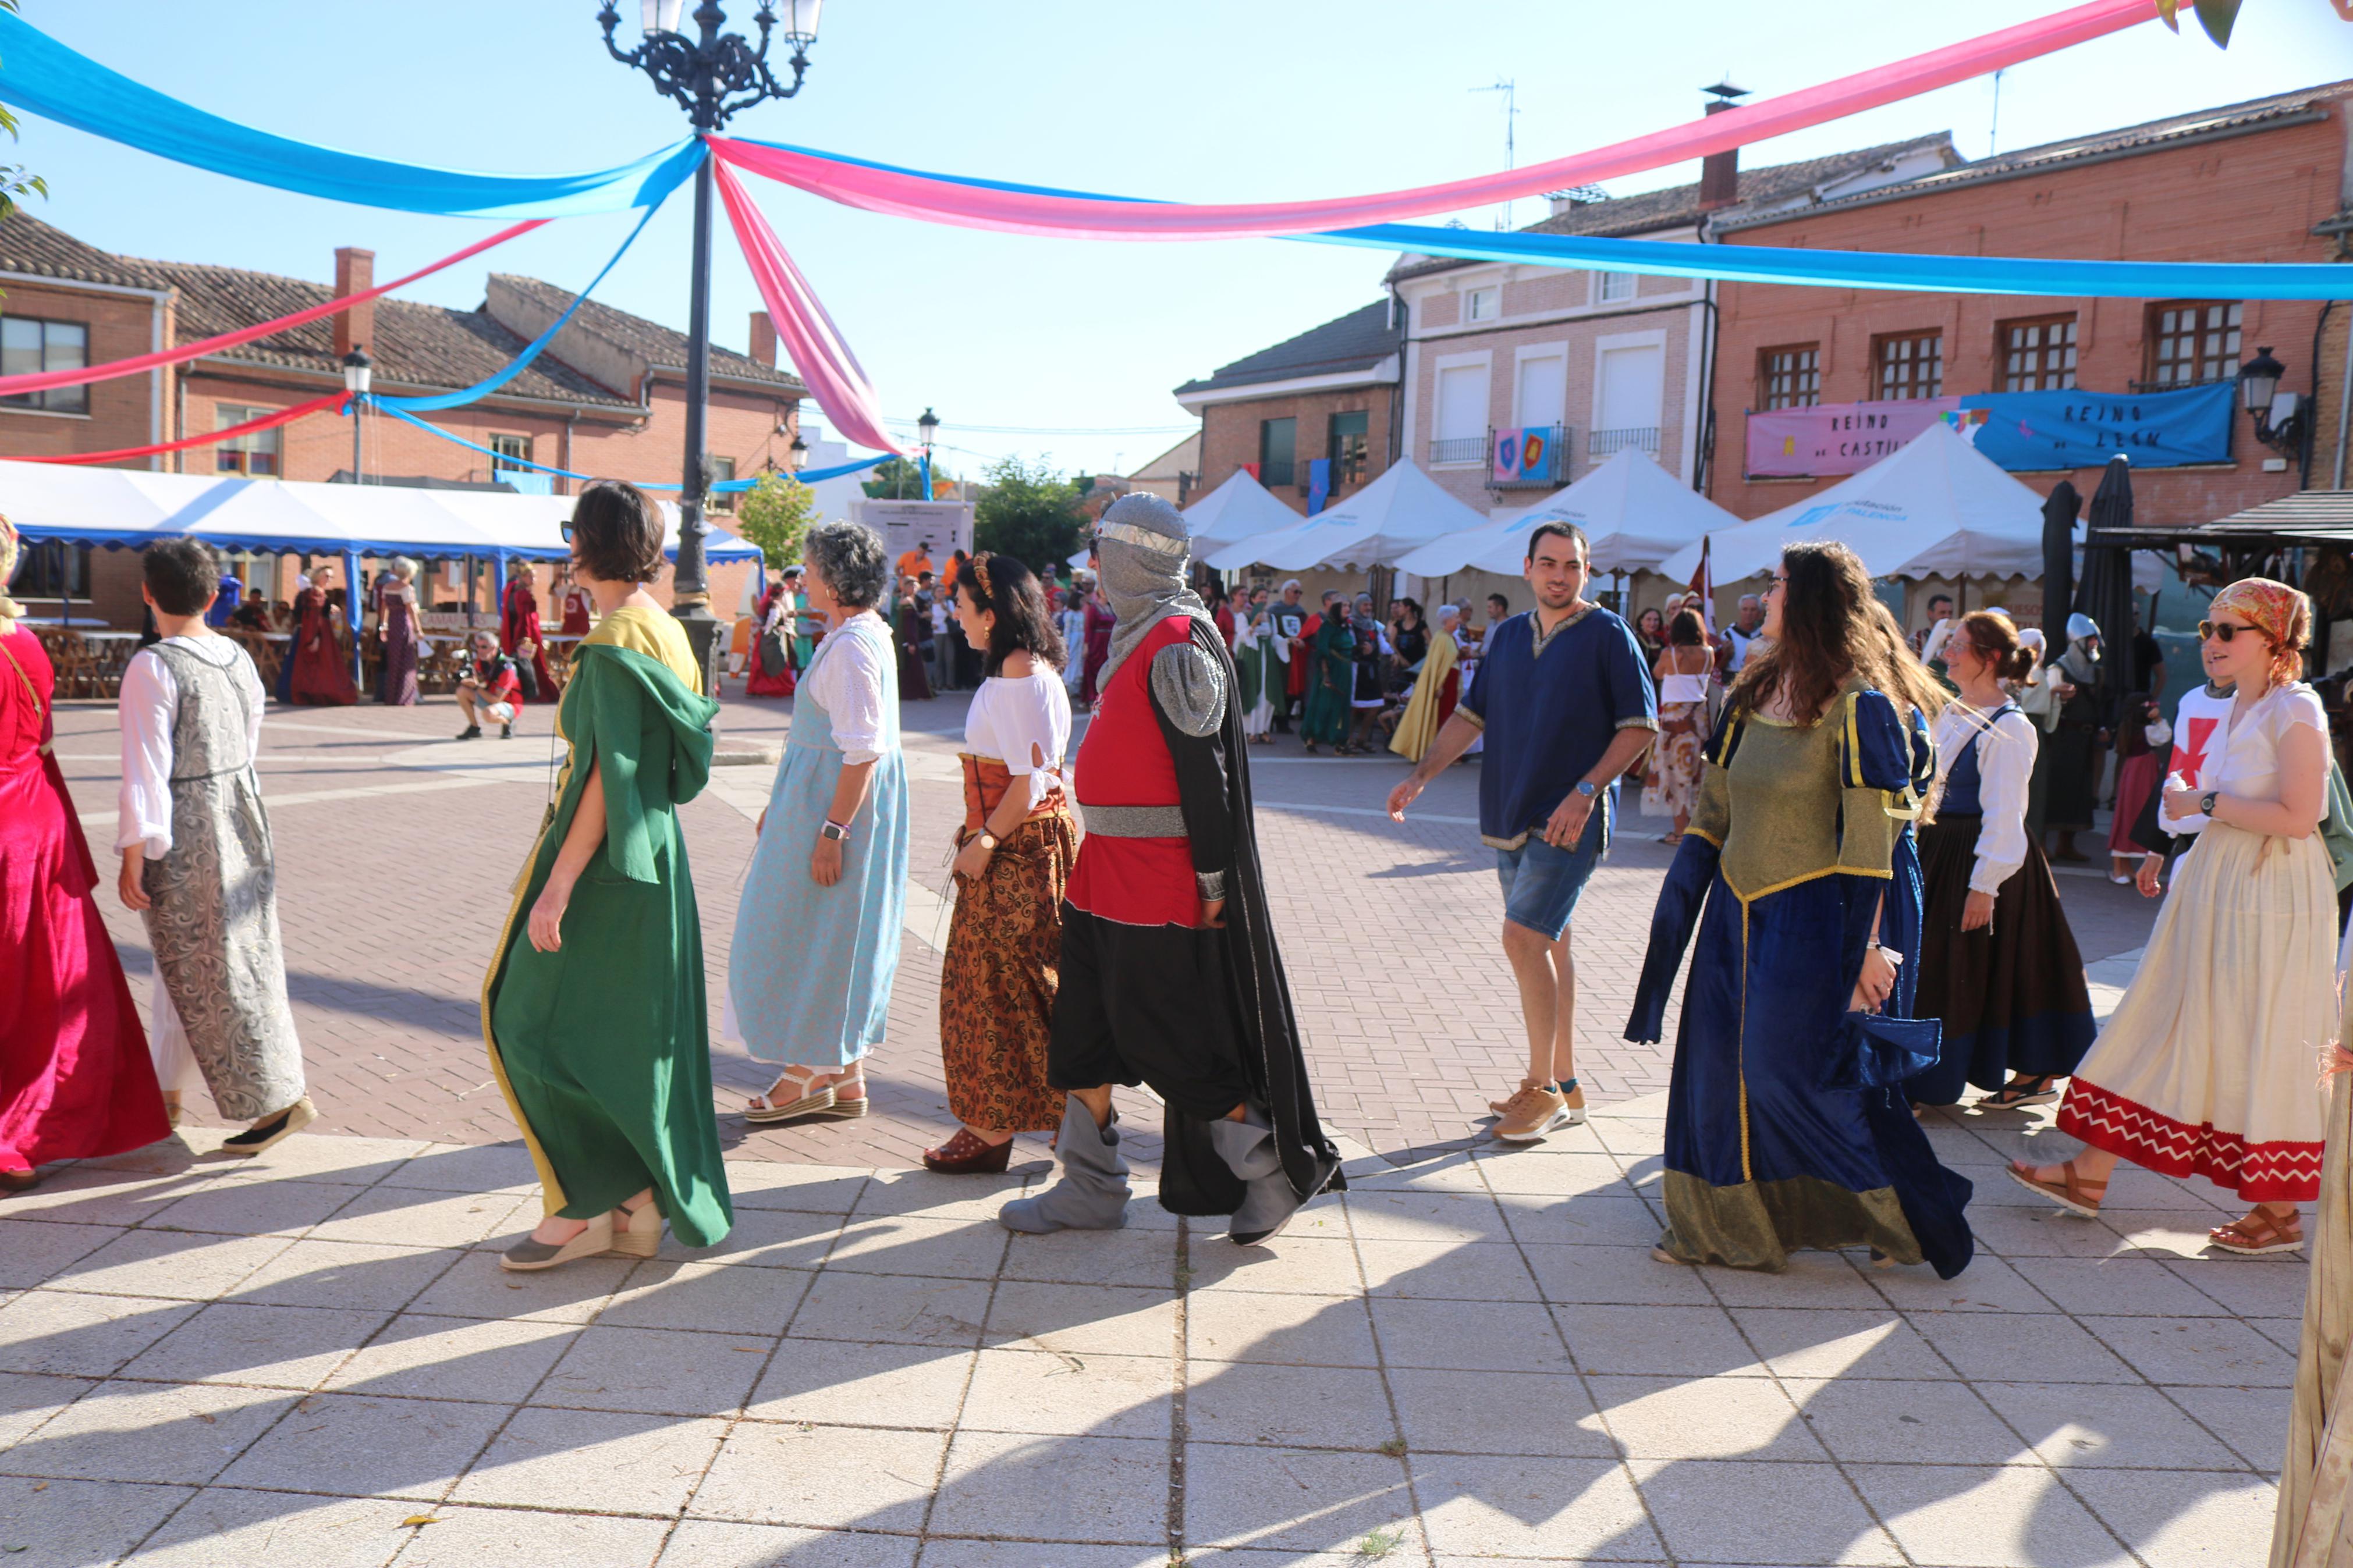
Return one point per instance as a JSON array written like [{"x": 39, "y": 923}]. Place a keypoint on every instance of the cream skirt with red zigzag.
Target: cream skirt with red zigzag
[{"x": 2211, "y": 1065}]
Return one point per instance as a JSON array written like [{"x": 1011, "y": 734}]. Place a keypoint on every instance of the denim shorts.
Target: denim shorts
[{"x": 1541, "y": 883}]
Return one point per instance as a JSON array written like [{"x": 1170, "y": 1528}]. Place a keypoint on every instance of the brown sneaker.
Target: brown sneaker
[
  {"x": 1535, "y": 1111},
  {"x": 1573, "y": 1097}
]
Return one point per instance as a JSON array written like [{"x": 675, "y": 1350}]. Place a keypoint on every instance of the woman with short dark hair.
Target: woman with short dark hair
[
  {"x": 1013, "y": 858},
  {"x": 594, "y": 1009},
  {"x": 1787, "y": 1123},
  {"x": 816, "y": 932}
]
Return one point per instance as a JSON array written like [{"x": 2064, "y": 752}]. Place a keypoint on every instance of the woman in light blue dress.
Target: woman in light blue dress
[{"x": 817, "y": 933}]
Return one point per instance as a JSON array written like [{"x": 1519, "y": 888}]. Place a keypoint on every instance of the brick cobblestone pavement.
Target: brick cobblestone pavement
[
  {"x": 1470, "y": 1358},
  {"x": 397, "y": 849}
]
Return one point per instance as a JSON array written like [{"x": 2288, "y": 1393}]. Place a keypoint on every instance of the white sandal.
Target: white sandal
[{"x": 809, "y": 1101}]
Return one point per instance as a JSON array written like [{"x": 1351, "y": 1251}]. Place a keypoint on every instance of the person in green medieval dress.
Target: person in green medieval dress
[
  {"x": 594, "y": 1009},
  {"x": 1331, "y": 677}
]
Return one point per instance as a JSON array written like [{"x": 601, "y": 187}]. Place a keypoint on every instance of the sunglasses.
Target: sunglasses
[{"x": 2221, "y": 631}]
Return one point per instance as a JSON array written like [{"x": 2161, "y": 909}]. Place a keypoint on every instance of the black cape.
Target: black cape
[{"x": 1194, "y": 1180}]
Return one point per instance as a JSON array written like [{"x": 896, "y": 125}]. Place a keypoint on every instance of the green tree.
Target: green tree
[
  {"x": 1029, "y": 513},
  {"x": 773, "y": 514},
  {"x": 14, "y": 181},
  {"x": 902, "y": 479}
]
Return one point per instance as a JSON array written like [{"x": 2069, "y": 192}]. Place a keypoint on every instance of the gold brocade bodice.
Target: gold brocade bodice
[{"x": 1791, "y": 804}]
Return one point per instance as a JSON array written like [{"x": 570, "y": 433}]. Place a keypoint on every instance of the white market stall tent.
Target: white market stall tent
[
  {"x": 1397, "y": 512},
  {"x": 1634, "y": 514},
  {"x": 129, "y": 507},
  {"x": 1240, "y": 509},
  {"x": 1934, "y": 508}
]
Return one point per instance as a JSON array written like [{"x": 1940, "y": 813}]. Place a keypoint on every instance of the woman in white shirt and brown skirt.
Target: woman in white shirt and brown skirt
[
  {"x": 1997, "y": 962},
  {"x": 1013, "y": 858}
]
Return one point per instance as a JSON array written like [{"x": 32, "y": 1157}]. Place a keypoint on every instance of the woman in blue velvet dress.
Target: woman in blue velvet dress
[{"x": 1787, "y": 1122}]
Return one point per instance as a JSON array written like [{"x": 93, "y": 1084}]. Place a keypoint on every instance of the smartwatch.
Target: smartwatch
[
  {"x": 2205, "y": 802},
  {"x": 833, "y": 830}
]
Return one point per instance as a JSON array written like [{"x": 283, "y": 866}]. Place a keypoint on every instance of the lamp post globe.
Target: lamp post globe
[
  {"x": 797, "y": 455},
  {"x": 714, "y": 74},
  {"x": 359, "y": 370},
  {"x": 2259, "y": 381}
]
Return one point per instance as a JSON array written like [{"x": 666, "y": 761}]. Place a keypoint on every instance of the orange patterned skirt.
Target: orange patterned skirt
[{"x": 1002, "y": 968}]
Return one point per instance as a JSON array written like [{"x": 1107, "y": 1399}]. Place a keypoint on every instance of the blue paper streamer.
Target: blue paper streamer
[
  {"x": 727, "y": 486},
  {"x": 43, "y": 76}
]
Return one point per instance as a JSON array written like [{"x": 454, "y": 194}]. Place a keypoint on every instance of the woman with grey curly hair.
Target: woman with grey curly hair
[{"x": 816, "y": 932}]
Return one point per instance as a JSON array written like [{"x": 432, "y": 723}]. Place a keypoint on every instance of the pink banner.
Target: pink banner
[
  {"x": 35, "y": 380},
  {"x": 911, "y": 194},
  {"x": 1836, "y": 437},
  {"x": 810, "y": 338},
  {"x": 211, "y": 437}
]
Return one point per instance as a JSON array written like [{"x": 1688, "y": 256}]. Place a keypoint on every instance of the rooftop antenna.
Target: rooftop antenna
[
  {"x": 1510, "y": 89},
  {"x": 1993, "y": 131}
]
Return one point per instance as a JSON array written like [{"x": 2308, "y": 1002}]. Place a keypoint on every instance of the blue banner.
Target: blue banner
[
  {"x": 2027, "y": 431},
  {"x": 1319, "y": 484}
]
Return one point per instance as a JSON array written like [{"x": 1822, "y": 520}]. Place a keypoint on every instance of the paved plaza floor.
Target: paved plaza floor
[{"x": 1471, "y": 1358}]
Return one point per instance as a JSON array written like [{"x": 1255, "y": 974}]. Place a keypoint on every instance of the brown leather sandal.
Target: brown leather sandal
[
  {"x": 2257, "y": 1235},
  {"x": 969, "y": 1155},
  {"x": 2072, "y": 1194}
]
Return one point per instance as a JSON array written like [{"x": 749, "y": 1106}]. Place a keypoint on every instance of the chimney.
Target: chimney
[
  {"x": 764, "y": 338},
  {"x": 1719, "y": 172},
  {"x": 354, "y": 270}
]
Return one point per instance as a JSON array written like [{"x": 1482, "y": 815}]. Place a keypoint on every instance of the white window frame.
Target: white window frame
[
  {"x": 1601, "y": 286},
  {"x": 1485, "y": 362},
  {"x": 1655, "y": 338},
  {"x": 1557, "y": 350},
  {"x": 1493, "y": 292}
]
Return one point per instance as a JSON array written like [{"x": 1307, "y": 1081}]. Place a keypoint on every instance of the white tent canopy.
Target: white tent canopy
[
  {"x": 1935, "y": 508},
  {"x": 1634, "y": 514},
  {"x": 1240, "y": 509},
  {"x": 1401, "y": 510},
  {"x": 134, "y": 507}
]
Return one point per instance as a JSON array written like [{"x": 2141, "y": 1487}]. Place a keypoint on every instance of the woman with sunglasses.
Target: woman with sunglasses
[{"x": 2207, "y": 1066}]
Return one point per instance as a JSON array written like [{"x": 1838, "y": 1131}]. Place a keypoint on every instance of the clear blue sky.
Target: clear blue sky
[{"x": 1212, "y": 99}]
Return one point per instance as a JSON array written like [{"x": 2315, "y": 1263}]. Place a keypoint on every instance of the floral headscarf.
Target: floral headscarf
[{"x": 2282, "y": 614}]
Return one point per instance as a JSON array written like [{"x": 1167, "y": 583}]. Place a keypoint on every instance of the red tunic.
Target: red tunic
[
  {"x": 1125, "y": 761},
  {"x": 76, "y": 1081}
]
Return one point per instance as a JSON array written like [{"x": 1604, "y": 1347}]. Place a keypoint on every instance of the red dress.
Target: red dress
[
  {"x": 322, "y": 672},
  {"x": 576, "y": 607},
  {"x": 76, "y": 1081},
  {"x": 771, "y": 665},
  {"x": 518, "y": 624},
  {"x": 1099, "y": 623}
]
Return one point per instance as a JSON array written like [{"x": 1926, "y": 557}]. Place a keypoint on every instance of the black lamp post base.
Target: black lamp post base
[{"x": 705, "y": 634}]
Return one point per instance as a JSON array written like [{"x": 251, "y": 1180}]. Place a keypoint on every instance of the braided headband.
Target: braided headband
[{"x": 980, "y": 574}]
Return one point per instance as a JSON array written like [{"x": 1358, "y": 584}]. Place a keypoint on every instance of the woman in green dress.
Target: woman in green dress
[
  {"x": 594, "y": 1009},
  {"x": 1331, "y": 677}
]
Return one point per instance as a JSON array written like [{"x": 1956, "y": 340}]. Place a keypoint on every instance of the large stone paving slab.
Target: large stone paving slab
[{"x": 1416, "y": 1374}]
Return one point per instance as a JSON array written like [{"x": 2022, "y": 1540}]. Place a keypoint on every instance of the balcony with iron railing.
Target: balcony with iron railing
[
  {"x": 1549, "y": 470},
  {"x": 1602, "y": 444},
  {"x": 1273, "y": 475},
  {"x": 1456, "y": 450}
]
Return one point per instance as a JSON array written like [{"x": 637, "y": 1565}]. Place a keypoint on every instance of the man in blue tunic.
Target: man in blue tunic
[{"x": 1566, "y": 707}]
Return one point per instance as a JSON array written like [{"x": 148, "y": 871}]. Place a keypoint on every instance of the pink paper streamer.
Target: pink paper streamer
[
  {"x": 810, "y": 338},
  {"x": 37, "y": 380},
  {"x": 906, "y": 194}
]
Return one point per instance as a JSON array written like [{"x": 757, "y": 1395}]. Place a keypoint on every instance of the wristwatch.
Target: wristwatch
[
  {"x": 988, "y": 840},
  {"x": 1587, "y": 788},
  {"x": 835, "y": 831},
  {"x": 2205, "y": 802}
]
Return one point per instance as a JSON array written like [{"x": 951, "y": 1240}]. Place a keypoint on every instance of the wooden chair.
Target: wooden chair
[{"x": 71, "y": 658}]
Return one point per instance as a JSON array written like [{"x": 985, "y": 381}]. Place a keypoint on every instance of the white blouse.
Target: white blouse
[
  {"x": 1017, "y": 722},
  {"x": 2005, "y": 768},
  {"x": 150, "y": 701},
  {"x": 2251, "y": 760},
  {"x": 852, "y": 669}
]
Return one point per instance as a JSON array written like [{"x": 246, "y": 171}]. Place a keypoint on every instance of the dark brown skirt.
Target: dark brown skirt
[
  {"x": 997, "y": 981},
  {"x": 2012, "y": 998}
]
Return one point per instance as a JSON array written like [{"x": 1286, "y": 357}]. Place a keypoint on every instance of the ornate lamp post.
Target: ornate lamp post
[
  {"x": 359, "y": 371},
  {"x": 712, "y": 75},
  {"x": 928, "y": 426}
]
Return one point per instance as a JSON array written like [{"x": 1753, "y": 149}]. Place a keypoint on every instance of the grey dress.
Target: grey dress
[{"x": 213, "y": 918}]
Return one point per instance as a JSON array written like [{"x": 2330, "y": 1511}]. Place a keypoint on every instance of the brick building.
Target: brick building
[
  {"x": 1603, "y": 360},
  {"x": 1327, "y": 396},
  {"x": 608, "y": 396},
  {"x": 2266, "y": 181}
]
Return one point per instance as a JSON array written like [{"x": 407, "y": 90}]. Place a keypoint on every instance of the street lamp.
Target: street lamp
[
  {"x": 712, "y": 76},
  {"x": 2259, "y": 381},
  {"x": 797, "y": 458},
  {"x": 358, "y": 371},
  {"x": 927, "y": 428}
]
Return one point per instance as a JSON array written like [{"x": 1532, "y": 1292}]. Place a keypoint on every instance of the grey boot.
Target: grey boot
[
  {"x": 1269, "y": 1199},
  {"x": 1092, "y": 1193}
]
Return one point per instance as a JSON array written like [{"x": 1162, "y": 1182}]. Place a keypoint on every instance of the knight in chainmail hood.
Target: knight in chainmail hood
[{"x": 1169, "y": 971}]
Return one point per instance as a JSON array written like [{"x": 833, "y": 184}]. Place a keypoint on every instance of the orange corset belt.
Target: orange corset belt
[{"x": 985, "y": 780}]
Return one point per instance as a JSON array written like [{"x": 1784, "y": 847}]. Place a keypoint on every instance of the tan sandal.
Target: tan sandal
[
  {"x": 2072, "y": 1194},
  {"x": 805, "y": 1101},
  {"x": 638, "y": 1233},
  {"x": 2257, "y": 1235}
]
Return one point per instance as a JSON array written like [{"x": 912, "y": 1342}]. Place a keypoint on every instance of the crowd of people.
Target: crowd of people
[{"x": 1860, "y": 881}]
